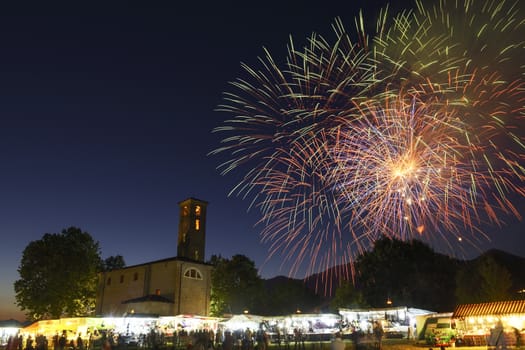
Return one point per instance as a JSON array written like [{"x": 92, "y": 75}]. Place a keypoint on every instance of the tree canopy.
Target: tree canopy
[
  {"x": 407, "y": 273},
  {"x": 59, "y": 275},
  {"x": 347, "y": 296},
  {"x": 236, "y": 285},
  {"x": 483, "y": 280},
  {"x": 286, "y": 296},
  {"x": 114, "y": 262}
]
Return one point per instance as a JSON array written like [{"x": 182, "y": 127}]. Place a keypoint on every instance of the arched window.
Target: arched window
[{"x": 193, "y": 273}]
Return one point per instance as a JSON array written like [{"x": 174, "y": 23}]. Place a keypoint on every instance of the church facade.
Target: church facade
[{"x": 167, "y": 287}]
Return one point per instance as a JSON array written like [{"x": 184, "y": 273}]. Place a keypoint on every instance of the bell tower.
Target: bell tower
[{"x": 192, "y": 229}]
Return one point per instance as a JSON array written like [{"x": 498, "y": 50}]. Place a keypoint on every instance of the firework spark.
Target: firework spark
[{"x": 433, "y": 41}]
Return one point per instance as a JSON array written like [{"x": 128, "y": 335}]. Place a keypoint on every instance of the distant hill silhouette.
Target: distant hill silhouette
[{"x": 323, "y": 286}]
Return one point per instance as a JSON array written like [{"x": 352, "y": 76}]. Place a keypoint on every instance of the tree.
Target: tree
[
  {"x": 483, "y": 281},
  {"x": 286, "y": 295},
  {"x": 113, "y": 262},
  {"x": 219, "y": 287},
  {"x": 467, "y": 285},
  {"x": 59, "y": 275},
  {"x": 407, "y": 273},
  {"x": 347, "y": 296},
  {"x": 236, "y": 285},
  {"x": 496, "y": 281}
]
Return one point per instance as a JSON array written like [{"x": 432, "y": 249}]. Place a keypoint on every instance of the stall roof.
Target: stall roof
[
  {"x": 494, "y": 308},
  {"x": 410, "y": 310},
  {"x": 243, "y": 321},
  {"x": 11, "y": 323}
]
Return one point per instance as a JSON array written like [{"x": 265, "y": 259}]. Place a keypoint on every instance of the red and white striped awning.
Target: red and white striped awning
[{"x": 494, "y": 308}]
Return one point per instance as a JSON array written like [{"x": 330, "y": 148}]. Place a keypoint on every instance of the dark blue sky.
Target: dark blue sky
[{"x": 106, "y": 112}]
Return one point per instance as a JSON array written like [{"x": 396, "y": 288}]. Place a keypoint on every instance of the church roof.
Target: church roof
[
  {"x": 175, "y": 258},
  {"x": 149, "y": 297}
]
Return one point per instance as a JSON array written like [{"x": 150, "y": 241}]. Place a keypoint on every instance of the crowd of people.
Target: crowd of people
[
  {"x": 370, "y": 339},
  {"x": 183, "y": 339},
  {"x": 40, "y": 342},
  {"x": 199, "y": 339},
  {"x": 96, "y": 340}
]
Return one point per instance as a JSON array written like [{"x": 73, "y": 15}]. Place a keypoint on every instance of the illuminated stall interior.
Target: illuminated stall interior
[
  {"x": 475, "y": 321},
  {"x": 311, "y": 326},
  {"x": 397, "y": 322}
]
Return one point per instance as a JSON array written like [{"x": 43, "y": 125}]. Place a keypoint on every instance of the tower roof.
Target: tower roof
[{"x": 193, "y": 199}]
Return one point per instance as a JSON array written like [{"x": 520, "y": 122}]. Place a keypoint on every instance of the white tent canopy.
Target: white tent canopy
[{"x": 241, "y": 322}]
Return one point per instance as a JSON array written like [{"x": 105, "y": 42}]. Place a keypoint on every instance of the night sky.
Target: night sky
[{"x": 106, "y": 112}]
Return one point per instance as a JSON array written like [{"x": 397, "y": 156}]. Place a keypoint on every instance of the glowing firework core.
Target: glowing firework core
[{"x": 404, "y": 169}]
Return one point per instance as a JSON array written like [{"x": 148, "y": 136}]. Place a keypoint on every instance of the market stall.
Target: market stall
[
  {"x": 132, "y": 329},
  {"x": 8, "y": 328},
  {"x": 477, "y": 323}
]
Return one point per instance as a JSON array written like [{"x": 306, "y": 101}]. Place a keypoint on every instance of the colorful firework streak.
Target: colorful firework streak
[{"x": 416, "y": 132}]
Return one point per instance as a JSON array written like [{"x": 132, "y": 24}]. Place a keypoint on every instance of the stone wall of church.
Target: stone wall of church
[
  {"x": 119, "y": 285},
  {"x": 186, "y": 284}
]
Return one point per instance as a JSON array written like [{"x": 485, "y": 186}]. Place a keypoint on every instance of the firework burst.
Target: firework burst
[
  {"x": 416, "y": 135},
  {"x": 415, "y": 167}
]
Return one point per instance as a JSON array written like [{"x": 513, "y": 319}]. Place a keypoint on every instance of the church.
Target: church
[{"x": 167, "y": 287}]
